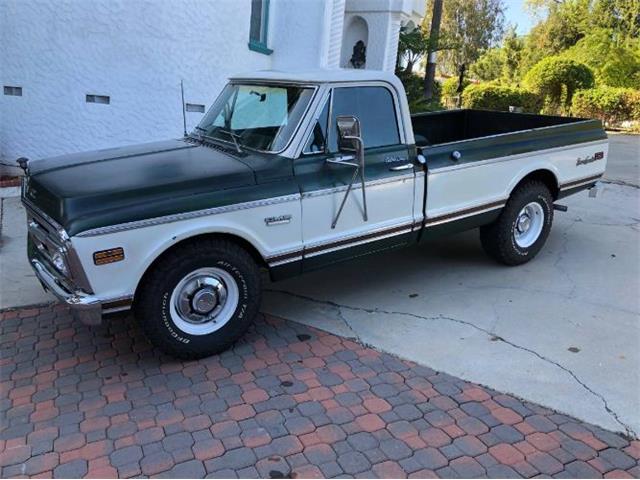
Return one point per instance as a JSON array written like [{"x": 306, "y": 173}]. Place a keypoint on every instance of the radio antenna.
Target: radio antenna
[{"x": 184, "y": 113}]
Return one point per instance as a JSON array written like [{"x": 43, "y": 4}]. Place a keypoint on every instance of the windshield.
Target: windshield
[{"x": 256, "y": 116}]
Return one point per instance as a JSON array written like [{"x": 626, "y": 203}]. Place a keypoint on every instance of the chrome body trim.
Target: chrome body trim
[
  {"x": 344, "y": 241},
  {"x": 277, "y": 263},
  {"x": 342, "y": 188},
  {"x": 451, "y": 217},
  {"x": 357, "y": 242},
  {"x": 508, "y": 158},
  {"x": 371, "y": 233},
  {"x": 188, "y": 215},
  {"x": 579, "y": 182}
]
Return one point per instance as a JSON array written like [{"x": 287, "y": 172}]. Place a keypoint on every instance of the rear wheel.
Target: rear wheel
[
  {"x": 523, "y": 226},
  {"x": 199, "y": 299}
]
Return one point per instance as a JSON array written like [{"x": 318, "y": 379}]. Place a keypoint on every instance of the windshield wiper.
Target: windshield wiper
[{"x": 234, "y": 137}]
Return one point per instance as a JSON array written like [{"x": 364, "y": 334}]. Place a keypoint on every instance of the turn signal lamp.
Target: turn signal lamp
[{"x": 108, "y": 256}]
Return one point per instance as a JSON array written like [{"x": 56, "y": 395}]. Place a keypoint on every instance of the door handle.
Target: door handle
[
  {"x": 398, "y": 168},
  {"x": 341, "y": 159}
]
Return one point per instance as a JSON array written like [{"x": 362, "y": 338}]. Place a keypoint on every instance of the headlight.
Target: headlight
[{"x": 58, "y": 261}]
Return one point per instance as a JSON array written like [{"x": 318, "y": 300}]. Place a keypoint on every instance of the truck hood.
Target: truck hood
[{"x": 106, "y": 187}]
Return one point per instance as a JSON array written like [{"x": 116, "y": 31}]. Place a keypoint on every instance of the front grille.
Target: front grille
[
  {"x": 46, "y": 242},
  {"x": 45, "y": 238}
]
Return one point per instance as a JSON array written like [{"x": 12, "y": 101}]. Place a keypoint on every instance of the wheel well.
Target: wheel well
[
  {"x": 222, "y": 236},
  {"x": 546, "y": 177}
]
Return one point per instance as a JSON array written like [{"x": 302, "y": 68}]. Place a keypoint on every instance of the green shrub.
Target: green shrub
[
  {"x": 612, "y": 105},
  {"x": 414, "y": 87},
  {"x": 450, "y": 87},
  {"x": 556, "y": 80},
  {"x": 499, "y": 97}
]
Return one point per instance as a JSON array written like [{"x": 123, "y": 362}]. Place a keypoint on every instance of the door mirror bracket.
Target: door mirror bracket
[{"x": 351, "y": 145}]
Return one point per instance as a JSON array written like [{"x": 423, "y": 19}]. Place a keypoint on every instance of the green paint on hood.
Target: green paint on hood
[{"x": 107, "y": 187}]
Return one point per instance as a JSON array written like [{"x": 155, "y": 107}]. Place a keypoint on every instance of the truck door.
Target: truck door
[{"x": 389, "y": 180}]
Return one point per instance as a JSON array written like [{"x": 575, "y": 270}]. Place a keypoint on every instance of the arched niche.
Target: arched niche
[{"x": 356, "y": 31}]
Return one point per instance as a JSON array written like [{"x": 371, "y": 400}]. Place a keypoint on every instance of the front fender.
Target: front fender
[{"x": 142, "y": 246}]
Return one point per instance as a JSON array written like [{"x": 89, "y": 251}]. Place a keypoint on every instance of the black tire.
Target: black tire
[
  {"x": 498, "y": 238},
  {"x": 153, "y": 301}
]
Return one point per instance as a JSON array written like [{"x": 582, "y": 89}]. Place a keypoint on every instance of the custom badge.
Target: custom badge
[
  {"x": 590, "y": 158},
  {"x": 279, "y": 220}
]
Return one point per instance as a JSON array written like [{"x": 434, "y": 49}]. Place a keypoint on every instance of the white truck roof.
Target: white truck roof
[{"x": 334, "y": 75}]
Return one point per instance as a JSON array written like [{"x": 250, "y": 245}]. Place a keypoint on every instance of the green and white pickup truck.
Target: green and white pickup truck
[{"x": 288, "y": 173}]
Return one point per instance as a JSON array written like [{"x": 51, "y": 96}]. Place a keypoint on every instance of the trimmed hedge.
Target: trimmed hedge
[
  {"x": 499, "y": 97},
  {"x": 556, "y": 79},
  {"x": 612, "y": 105}
]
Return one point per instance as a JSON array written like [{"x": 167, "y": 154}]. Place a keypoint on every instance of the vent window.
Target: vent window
[
  {"x": 13, "y": 91},
  {"x": 195, "y": 107},
  {"x": 103, "y": 99}
]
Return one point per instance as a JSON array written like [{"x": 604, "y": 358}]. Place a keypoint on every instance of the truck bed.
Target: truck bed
[
  {"x": 477, "y": 135},
  {"x": 435, "y": 128},
  {"x": 474, "y": 159}
]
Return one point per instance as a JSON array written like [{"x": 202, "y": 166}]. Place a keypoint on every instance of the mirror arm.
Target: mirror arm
[
  {"x": 344, "y": 199},
  {"x": 364, "y": 193},
  {"x": 359, "y": 170}
]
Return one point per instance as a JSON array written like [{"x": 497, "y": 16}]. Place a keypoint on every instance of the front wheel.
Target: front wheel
[
  {"x": 522, "y": 227},
  {"x": 199, "y": 298}
]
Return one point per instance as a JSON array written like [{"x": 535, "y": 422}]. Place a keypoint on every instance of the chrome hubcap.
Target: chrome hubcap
[
  {"x": 204, "y": 300},
  {"x": 529, "y": 225},
  {"x": 524, "y": 222}
]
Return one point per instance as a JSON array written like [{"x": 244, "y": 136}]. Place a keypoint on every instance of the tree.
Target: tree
[
  {"x": 489, "y": 66},
  {"x": 468, "y": 28},
  {"x": 501, "y": 63},
  {"x": 622, "y": 17},
  {"x": 512, "y": 47},
  {"x": 613, "y": 64},
  {"x": 412, "y": 44}
]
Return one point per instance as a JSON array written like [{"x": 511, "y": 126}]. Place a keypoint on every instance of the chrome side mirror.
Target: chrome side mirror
[
  {"x": 348, "y": 133},
  {"x": 350, "y": 140}
]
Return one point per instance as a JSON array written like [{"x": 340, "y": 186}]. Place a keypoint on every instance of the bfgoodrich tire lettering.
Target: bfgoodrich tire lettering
[
  {"x": 155, "y": 303},
  {"x": 499, "y": 239}
]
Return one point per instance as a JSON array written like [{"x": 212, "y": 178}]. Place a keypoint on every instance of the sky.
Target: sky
[{"x": 516, "y": 14}]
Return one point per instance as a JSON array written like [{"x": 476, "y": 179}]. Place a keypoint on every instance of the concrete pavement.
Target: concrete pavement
[
  {"x": 18, "y": 284},
  {"x": 562, "y": 330}
]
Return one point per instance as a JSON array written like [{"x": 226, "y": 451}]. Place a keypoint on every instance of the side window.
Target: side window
[
  {"x": 376, "y": 111},
  {"x": 318, "y": 139},
  {"x": 258, "y": 26}
]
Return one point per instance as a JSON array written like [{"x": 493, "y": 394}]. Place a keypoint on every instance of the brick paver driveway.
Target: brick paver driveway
[{"x": 287, "y": 401}]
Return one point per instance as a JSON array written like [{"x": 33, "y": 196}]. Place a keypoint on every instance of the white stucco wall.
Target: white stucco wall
[{"x": 137, "y": 51}]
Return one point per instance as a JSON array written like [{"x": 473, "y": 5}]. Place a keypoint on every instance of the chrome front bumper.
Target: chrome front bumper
[{"x": 86, "y": 308}]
